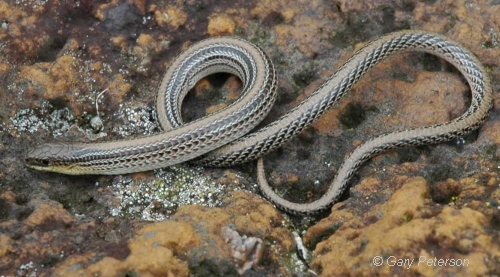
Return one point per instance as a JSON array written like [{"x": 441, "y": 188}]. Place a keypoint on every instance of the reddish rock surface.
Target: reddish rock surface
[{"x": 437, "y": 202}]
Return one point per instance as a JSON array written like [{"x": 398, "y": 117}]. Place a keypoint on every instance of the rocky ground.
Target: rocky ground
[{"x": 425, "y": 211}]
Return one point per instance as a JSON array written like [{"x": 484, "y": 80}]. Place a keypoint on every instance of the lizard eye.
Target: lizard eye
[{"x": 37, "y": 162}]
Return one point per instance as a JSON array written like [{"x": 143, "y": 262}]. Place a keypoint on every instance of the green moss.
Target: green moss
[
  {"x": 260, "y": 36},
  {"x": 411, "y": 154},
  {"x": 407, "y": 217},
  {"x": 439, "y": 174},
  {"x": 158, "y": 197},
  {"x": 305, "y": 76},
  {"x": 491, "y": 153},
  {"x": 353, "y": 115},
  {"x": 50, "y": 48}
]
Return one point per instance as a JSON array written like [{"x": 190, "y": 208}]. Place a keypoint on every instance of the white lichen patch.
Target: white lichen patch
[
  {"x": 46, "y": 118},
  {"x": 302, "y": 250},
  {"x": 136, "y": 122},
  {"x": 299, "y": 267},
  {"x": 31, "y": 3},
  {"x": 158, "y": 197},
  {"x": 247, "y": 251},
  {"x": 56, "y": 121},
  {"x": 139, "y": 121},
  {"x": 28, "y": 270}
]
